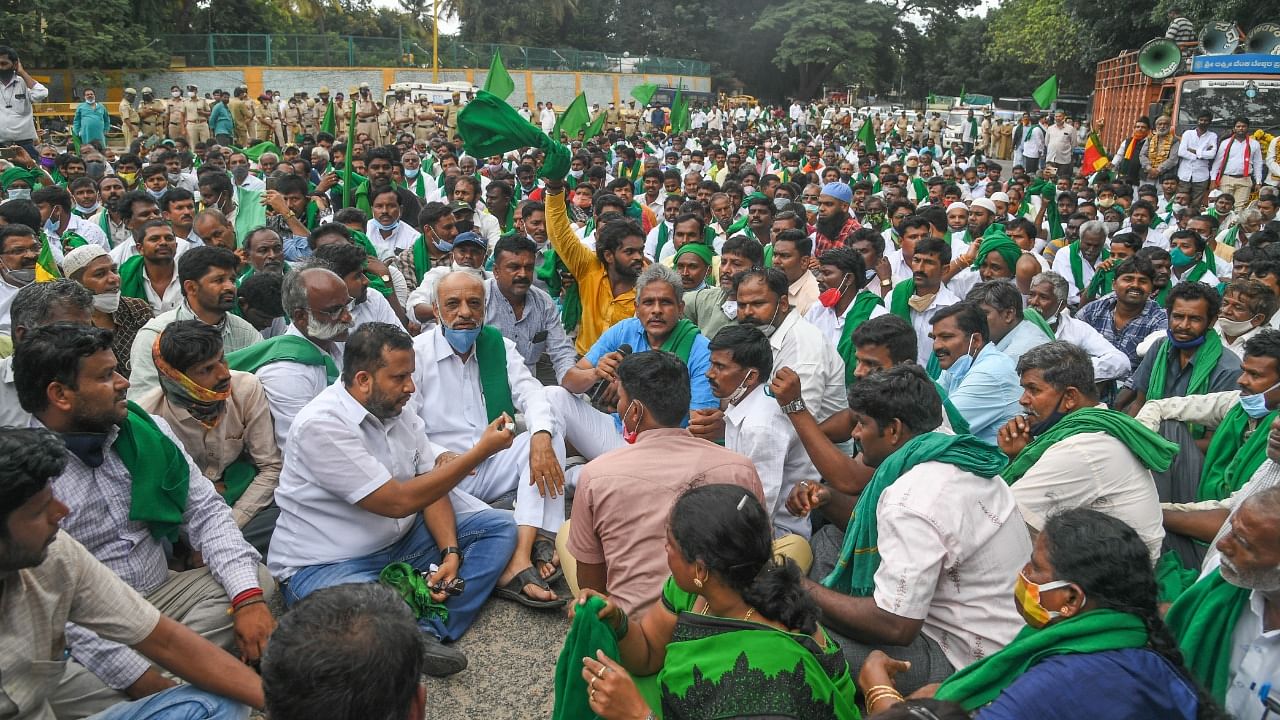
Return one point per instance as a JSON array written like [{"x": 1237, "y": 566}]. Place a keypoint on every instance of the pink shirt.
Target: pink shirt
[{"x": 623, "y": 500}]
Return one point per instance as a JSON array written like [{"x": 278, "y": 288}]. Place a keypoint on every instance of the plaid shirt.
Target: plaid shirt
[
  {"x": 1100, "y": 315},
  {"x": 822, "y": 243},
  {"x": 99, "y": 500}
]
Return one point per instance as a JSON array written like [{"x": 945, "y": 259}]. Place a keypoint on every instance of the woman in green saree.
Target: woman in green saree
[{"x": 736, "y": 634}]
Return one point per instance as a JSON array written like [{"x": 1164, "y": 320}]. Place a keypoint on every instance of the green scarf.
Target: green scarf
[
  {"x": 133, "y": 279},
  {"x": 310, "y": 215},
  {"x": 863, "y": 303},
  {"x": 104, "y": 222},
  {"x": 1077, "y": 264},
  {"x": 160, "y": 477},
  {"x": 1034, "y": 317},
  {"x": 664, "y": 232},
  {"x": 902, "y": 292},
  {"x": 854, "y": 573},
  {"x": 1100, "y": 284},
  {"x": 1203, "y": 621},
  {"x": 570, "y": 301},
  {"x": 412, "y": 587},
  {"x": 250, "y": 213},
  {"x": 421, "y": 258},
  {"x": 282, "y": 348},
  {"x": 1095, "y": 631},
  {"x": 1229, "y": 462},
  {"x": 491, "y": 355},
  {"x": 1232, "y": 235},
  {"x": 1162, "y": 297},
  {"x": 994, "y": 240},
  {"x": 1205, "y": 266},
  {"x": 375, "y": 283},
  {"x": 1155, "y": 452},
  {"x": 1205, "y": 360},
  {"x": 587, "y": 634},
  {"x": 237, "y": 477},
  {"x": 959, "y": 425},
  {"x": 681, "y": 339},
  {"x": 71, "y": 240}
]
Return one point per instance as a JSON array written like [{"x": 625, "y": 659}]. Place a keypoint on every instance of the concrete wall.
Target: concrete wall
[{"x": 530, "y": 86}]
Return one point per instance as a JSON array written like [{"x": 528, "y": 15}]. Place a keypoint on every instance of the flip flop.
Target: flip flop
[
  {"x": 514, "y": 591},
  {"x": 544, "y": 553}
]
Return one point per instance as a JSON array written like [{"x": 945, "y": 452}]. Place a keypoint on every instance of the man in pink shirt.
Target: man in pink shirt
[{"x": 615, "y": 541}]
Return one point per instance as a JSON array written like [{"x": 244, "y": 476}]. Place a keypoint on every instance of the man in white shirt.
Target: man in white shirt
[
  {"x": 388, "y": 232},
  {"x": 466, "y": 375},
  {"x": 1033, "y": 145},
  {"x": 928, "y": 293},
  {"x": 754, "y": 425},
  {"x": 1092, "y": 468},
  {"x": 1059, "y": 141},
  {"x": 1238, "y": 166},
  {"x": 797, "y": 344},
  {"x": 949, "y": 540},
  {"x": 1077, "y": 261},
  {"x": 547, "y": 118},
  {"x": 843, "y": 271},
  {"x": 363, "y": 488},
  {"x": 60, "y": 223},
  {"x": 1196, "y": 150},
  {"x": 348, "y": 262},
  {"x": 17, "y": 122},
  {"x": 1048, "y": 296},
  {"x": 296, "y": 366}
]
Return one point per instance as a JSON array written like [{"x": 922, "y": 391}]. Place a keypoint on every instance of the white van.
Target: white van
[{"x": 440, "y": 93}]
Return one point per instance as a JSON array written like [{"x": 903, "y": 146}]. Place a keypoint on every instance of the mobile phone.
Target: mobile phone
[
  {"x": 10, "y": 152},
  {"x": 272, "y": 182}
]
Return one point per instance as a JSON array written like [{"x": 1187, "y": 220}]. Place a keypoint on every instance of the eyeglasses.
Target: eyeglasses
[
  {"x": 18, "y": 251},
  {"x": 336, "y": 311}
]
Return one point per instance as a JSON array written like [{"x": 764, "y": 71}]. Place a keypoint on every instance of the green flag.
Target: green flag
[
  {"x": 498, "y": 82},
  {"x": 329, "y": 123},
  {"x": 595, "y": 128},
  {"x": 1047, "y": 93},
  {"x": 866, "y": 135},
  {"x": 574, "y": 119},
  {"x": 644, "y": 93},
  {"x": 679, "y": 112},
  {"x": 346, "y": 158}
]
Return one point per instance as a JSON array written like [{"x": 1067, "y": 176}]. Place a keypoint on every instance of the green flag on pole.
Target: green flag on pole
[
  {"x": 329, "y": 123},
  {"x": 679, "y": 112},
  {"x": 644, "y": 93},
  {"x": 346, "y": 158},
  {"x": 574, "y": 119},
  {"x": 595, "y": 128},
  {"x": 1047, "y": 93},
  {"x": 866, "y": 135},
  {"x": 498, "y": 82}
]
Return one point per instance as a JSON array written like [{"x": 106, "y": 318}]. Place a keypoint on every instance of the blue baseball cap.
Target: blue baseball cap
[{"x": 470, "y": 237}]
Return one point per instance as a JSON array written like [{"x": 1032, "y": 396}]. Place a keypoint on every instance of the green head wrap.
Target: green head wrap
[
  {"x": 15, "y": 173},
  {"x": 696, "y": 248},
  {"x": 755, "y": 197},
  {"x": 995, "y": 240}
]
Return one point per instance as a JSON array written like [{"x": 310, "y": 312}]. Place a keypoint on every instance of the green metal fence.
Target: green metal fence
[{"x": 331, "y": 50}]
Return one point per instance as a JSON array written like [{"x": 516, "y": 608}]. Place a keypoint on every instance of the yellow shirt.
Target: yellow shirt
[{"x": 600, "y": 309}]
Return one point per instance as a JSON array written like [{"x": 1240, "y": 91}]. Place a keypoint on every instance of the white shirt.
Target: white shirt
[
  {"x": 1059, "y": 142},
  {"x": 339, "y": 454},
  {"x": 757, "y": 427},
  {"x": 1108, "y": 362},
  {"x": 291, "y": 385},
  {"x": 1096, "y": 471},
  {"x": 402, "y": 237},
  {"x": 129, "y": 248},
  {"x": 375, "y": 308},
  {"x": 548, "y": 119},
  {"x": 448, "y": 399},
  {"x": 1230, "y": 159},
  {"x": 951, "y": 546},
  {"x": 832, "y": 325},
  {"x": 1237, "y": 346},
  {"x": 922, "y": 322},
  {"x": 11, "y": 412},
  {"x": 1255, "y": 658},
  {"x": 17, "y": 121},
  {"x": 7, "y": 294},
  {"x": 1195, "y": 152},
  {"x": 1062, "y": 266},
  {"x": 651, "y": 242},
  {"x": 254, "y": 183},
  {"x": 1033, "y": 147},
  {"x": 799, "y": 345},
  {"x": 171, "y": 298},
  {"x": 85, "y": 229}
]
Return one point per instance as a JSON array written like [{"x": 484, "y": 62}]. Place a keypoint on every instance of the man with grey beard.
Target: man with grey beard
[{"x": 296, "y": 366}]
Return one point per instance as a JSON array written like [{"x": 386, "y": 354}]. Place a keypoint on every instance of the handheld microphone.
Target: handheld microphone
[{"x": 596, "y": 390}]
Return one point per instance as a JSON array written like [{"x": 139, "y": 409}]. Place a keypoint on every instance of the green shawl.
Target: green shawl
[
  {"x": 859, "y": 311},
  {"x": 1228, "y": 462},
  {"x": 898, "y": 305},
  {"x": 1077, "y": 265},
  {"x": 411, "y": 586},
  {"x": 1203, "y": 621},
  {"x": 959, "y": 425},
  {"x": 282, "y": 348},
  {"x": 104, "y": 222},
  {"x": 1100, "y": 285},
  {"x": 1205, "y": 360},
  {"x": 587, "y": 634},
  {"x": 1095, "y": 631},
  {"x": 421, "y": 258},
  {"x": 159, "y": 476},
  {"x": 664, "y": 232},
  {"x": 491, "y": 355},
  {"x": 570, "y": 301},
  {"x": 250, "y": 213},
  {"x": 681, "y": 339},
  {"x": 854, "y": 573},
  {"x": 1155, "y": 452},
  {"x": 133, "y": 279},
  {"x": 1200, "y": 269},
  {"x": 1034, "y": 317}
]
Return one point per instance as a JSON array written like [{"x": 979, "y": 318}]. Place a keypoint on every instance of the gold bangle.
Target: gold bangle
[
  {"x": 891, "y": 695},
  {"x": 873, "y": 688}
]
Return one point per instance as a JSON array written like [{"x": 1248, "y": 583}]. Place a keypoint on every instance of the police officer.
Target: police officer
[
  {"x": 367, "y": 113},
  {"x": 152, "y": 114},
  {"x": 241, "y": 115},
  {"x": 129, "y": 119},
  {"x": 196, "y": 111}
]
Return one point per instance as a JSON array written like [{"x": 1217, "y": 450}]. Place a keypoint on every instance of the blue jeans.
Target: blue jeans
[
  {"x": 487, "y": 539},
  {"x": 180, "y": 703}
]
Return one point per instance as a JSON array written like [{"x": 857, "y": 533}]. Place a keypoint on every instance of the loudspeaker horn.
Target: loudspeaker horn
[
  {"x": 1220, "y": 38},
  {"x": 1159, "y": 58},
  {"x": 1263, "y": 39}
]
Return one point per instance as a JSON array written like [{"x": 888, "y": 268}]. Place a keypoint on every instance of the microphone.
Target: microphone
[{"x": 596, "y": 390}]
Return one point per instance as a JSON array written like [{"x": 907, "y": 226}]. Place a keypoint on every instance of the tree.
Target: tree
[{"x": 820, "y": 35}]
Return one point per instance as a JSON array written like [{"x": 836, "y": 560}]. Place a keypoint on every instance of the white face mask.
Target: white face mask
[
  {"x": 739, "y": 392},
  {"x": 106, "y": 302}
]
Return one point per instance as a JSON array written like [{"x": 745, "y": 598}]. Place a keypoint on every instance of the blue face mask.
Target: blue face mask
[
  {"x": 461, "y": 340},
  {"x": 412, "y": 173},
  {"x": 961, "y": 366},
  {"x": 1255, "y": 406},
  {"x": 1185, "y": 345},
  {"x": 388, "y": 227}
]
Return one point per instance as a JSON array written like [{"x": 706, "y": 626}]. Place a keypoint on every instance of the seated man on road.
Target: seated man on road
[
  {"x": 1070, "y": 451},
  {"x": 363, "y": 488},
  {"x": 614, "y": 542},
  {"x": 980, "y": 381},
  {"x": 919, "y": 297},
  {"x": 467, "y": 375},
  {"x": 1048, "y": 296},
  {"x": 350, "y": 263},
  {"x": 658, "y": 324},
  {"x": 526, "y": 314},
  {"x": 221, "y": 417},
  {"x": 1013, "y": 329},
  {"x": 133, "y": 490},
  {"x": 294, "y": 367},
  {"x": 714, "y": 307},
  {"x": 51, "y": 583},
  {"x": 935, "y": 542},
  {"x": 845, "y": 302},
  {"x": 1130, "y": 314}
]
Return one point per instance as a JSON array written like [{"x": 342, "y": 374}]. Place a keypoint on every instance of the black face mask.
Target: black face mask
[
  {"x": 1044, "y": 425},
  {"x": 7, "y": 75}
]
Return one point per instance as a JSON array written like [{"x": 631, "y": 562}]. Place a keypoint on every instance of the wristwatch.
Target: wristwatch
[
  {"x": 886, "y": 283},
  {"x": 452, "y": 549},
  {"x": 794, "y": 406}
]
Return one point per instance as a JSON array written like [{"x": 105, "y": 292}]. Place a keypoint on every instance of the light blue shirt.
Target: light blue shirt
[
  {"x": 987, "y": 396},
  {"x": 296, "y": 248},
  {"x": 631, "y": 332},
  {"x": 1024, "y": 336}
]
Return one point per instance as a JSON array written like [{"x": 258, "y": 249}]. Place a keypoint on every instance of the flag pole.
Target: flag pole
[{"x": 435, "y": 41}]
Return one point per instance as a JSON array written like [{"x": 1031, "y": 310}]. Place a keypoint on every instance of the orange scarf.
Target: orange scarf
[
  {"x": 1138, "y": 137},
  {"x": 205, "y": 405}
]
